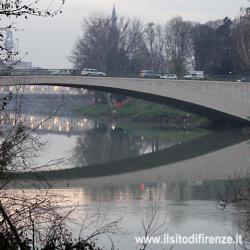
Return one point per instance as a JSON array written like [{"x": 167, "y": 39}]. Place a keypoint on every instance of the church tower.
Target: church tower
[{"x": 114, "y": 16}]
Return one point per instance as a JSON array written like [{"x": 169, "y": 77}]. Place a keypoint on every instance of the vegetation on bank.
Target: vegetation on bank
[{"x": 143, "y": 111}]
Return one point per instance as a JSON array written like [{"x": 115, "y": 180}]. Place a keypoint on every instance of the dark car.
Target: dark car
[{"x": 149, "y": 74}]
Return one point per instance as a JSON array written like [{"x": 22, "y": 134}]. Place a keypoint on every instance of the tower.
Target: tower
[
  {"x": 114, "y": 16},
  {"x": 9, "y": 43}
]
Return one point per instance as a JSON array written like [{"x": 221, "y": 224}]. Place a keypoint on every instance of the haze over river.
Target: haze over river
[{"x": 125, "y": 171}]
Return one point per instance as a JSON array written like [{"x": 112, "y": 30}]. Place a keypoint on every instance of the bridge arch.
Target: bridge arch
[{"x": 223, "y": 102}]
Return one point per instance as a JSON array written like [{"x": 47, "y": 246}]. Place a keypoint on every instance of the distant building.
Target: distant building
[
  {"x": 22, "y": 65},
  {"x": 9, "y": 43},
  {"x": 10, "y": 51}
]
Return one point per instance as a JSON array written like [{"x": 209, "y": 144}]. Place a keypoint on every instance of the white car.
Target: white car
[
  {"x": 92, "y": 72},
  {"x": 169, "y": 76},
  {"x": 196, "y": 75}
]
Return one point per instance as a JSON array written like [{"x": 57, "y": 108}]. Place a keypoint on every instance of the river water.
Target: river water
[{"x": 128, "y": 172}]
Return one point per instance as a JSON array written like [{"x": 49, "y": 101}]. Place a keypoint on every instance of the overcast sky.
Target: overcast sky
[{"x": 49, "y": 41}]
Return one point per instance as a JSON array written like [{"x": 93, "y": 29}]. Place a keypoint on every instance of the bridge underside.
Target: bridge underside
[{"x": 220, "y": 118}]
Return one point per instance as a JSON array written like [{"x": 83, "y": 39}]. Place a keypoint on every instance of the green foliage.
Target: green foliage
[{"x": 139, "y": 110}]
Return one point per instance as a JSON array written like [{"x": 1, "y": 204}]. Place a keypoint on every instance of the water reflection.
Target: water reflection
[
  {"x": 55, "y": 125},
  {"x": 94, "y": 142},
  {"x": 121, "y": 168},
  {"x": 108, "y": 142},
  {"x": 215, "y": 156},
  {"x": 188, "y": 207},
  {"x": 112, "y": 148}
]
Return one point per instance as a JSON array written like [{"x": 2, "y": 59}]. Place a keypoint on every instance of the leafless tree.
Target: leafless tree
[
  {"x": 241, "y": 42},
  {"x": 235, "y": 193},
  {"x": 16, "y": 9},
  {"x": 150, "y": 37},
  {"x": 28, "y": 220},
  {"x": 155, "y": 40},
  {"x": 18, "y": 144},
  {"x": 152, "y": 221},
  {"x": 33, "y": 219},
  {"x": 108, "y": 46},
  {"x": 179, "y": 48}
]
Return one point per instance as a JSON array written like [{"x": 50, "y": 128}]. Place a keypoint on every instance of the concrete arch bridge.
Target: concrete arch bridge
[{"x": 226, "y": 102}]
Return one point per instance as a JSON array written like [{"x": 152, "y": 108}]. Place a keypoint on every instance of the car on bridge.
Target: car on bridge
[
  {"x": 169, "y": 76},
  {"x": 92, "y": 72},
  {"x": 196, "y": 75},
  {"x": 244, "y": 79},
  {"x": 64, "y": 72},
  {"x": 149, "y": 74}
]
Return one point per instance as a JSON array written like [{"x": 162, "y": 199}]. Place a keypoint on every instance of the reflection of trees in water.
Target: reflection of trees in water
[
  {"x": 177, "y": 191},
  {"x": 242, "y": 227},
  {"x": 229, "y": 192},
  {"x": 236, "y": 193},
  {"x": 106, "y": 143}
]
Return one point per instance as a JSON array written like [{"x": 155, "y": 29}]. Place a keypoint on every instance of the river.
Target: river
[{"x": 128, "y": 172}]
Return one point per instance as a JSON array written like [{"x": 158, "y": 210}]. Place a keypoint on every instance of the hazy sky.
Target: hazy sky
[{"x": 49, "y": 41}]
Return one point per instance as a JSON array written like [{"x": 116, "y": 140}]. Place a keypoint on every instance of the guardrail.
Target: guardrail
[{"x": 122, "y": 74}]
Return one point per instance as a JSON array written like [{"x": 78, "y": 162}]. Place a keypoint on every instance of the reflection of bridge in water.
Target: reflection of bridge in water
[{"x": 213, "y": 157}]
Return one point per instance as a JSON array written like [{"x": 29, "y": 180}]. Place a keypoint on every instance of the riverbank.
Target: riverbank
[
  {"x": 142, "y": 111},
  {"x": 133, "y": 111}
]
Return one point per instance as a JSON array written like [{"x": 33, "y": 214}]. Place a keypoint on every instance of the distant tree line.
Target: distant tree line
[{"x": 217, "y": 47}]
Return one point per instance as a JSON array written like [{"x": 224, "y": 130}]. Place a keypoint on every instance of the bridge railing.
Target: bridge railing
[{"x": 125, "y": 74}]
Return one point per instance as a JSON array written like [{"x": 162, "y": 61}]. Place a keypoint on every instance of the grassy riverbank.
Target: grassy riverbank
[{"x": 142, "y": 111}]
